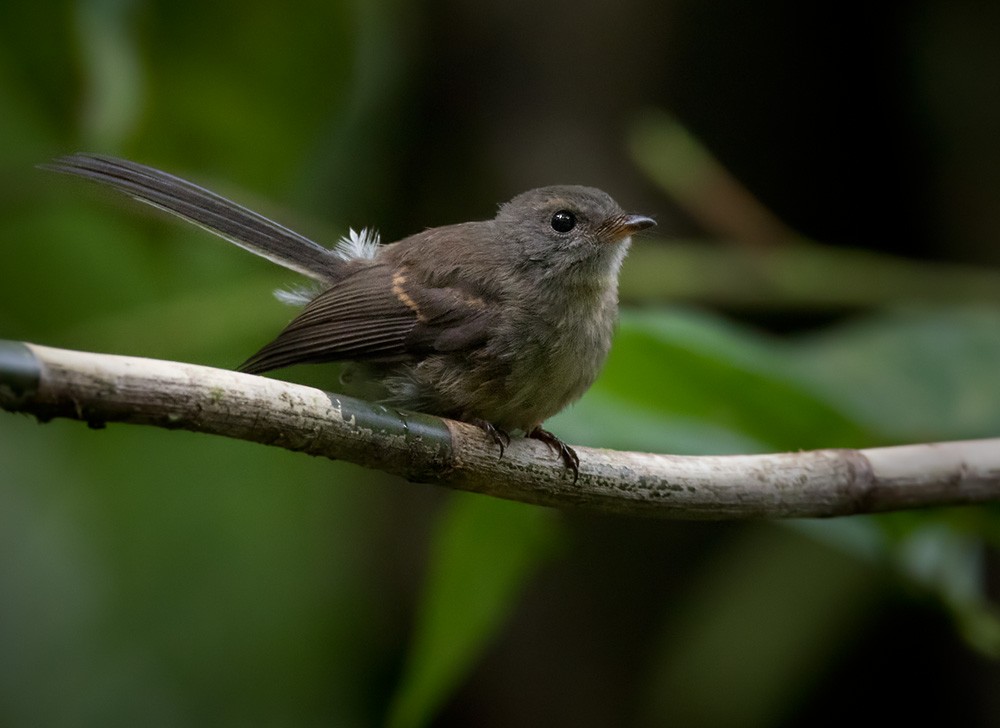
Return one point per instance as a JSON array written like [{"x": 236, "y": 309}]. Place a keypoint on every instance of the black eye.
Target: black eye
[{"x": 563, "y": 221}]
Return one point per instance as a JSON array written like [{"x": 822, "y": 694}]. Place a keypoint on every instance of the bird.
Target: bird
[{"x": 500, "y": 323}]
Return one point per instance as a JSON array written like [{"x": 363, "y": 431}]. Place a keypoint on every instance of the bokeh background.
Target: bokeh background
[{"x": 826, "y": 273}]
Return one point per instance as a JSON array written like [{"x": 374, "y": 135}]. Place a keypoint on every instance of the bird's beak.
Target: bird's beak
[{"x": 628, "y": 225}]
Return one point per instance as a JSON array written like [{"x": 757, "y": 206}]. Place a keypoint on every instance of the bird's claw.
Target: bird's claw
[
  {"x": 500, "y": 437},
  {"x": 571, "y": 461}
]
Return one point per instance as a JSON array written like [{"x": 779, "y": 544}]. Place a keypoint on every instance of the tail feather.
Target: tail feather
[{"x": 208, "y": 210}]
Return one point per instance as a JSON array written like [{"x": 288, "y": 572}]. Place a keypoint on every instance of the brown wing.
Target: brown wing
[{"x": 376, "y": 313}]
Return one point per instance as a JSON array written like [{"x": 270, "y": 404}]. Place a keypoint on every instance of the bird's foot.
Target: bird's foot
[
  {"x": 500, "y": 437},
  {"x": 570, "y": 459}
]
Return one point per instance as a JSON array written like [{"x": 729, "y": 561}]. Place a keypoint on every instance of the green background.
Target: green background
[{"x": 157, "y": 578}]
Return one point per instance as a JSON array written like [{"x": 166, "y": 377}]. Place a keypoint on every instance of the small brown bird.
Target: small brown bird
[{"x": 500, "y": 323}]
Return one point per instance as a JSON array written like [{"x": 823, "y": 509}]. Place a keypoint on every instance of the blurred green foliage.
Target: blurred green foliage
[{"x": 168, "y": 579}]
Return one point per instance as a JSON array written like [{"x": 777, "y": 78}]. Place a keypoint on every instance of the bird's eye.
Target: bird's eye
[{"x": 563, "y": 221}]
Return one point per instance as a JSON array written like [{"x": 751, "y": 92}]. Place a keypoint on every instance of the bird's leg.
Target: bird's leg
[
  {"x": 500, "y": 437},
  {"x": 569, "y": 457}
]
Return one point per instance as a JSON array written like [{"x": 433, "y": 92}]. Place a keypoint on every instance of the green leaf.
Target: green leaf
[
  {"x": 483, "y": 552},
  {"x": 914, "y": 374},
  {"x": 602, "y": 420},
  {"x": 695, "y": 367},
  {"x": 682, "y": 381}
]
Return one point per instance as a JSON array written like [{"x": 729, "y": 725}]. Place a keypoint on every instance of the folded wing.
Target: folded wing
[{"x": 376, "y": 313}]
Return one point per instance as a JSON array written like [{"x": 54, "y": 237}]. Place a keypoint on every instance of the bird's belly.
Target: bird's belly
[
  {"x": 514, "y": 382},
  {"x": 541, "y": 380}
]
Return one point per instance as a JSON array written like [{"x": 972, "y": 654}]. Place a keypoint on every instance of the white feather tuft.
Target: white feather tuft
[
  {"x": 356, "y": 244},
  {"x": 297, "y": 296},
  {"x": 363, "y": 244}
]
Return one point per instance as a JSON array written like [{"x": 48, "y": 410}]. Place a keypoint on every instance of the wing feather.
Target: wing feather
[
  {"x": 377, "y": 313},
  {"x": 357, "y": 319}
]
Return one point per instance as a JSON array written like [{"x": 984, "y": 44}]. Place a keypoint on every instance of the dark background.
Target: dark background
[{"x": 165, "y": 578}]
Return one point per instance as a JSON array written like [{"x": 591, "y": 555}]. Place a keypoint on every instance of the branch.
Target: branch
[{"x": 101, "y": 388}]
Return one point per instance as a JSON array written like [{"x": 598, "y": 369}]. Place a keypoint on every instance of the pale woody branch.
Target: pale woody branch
[{"x": 101, "y": 388}]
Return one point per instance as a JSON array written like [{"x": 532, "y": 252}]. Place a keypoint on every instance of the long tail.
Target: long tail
[{"x": 208, "y": 210}]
